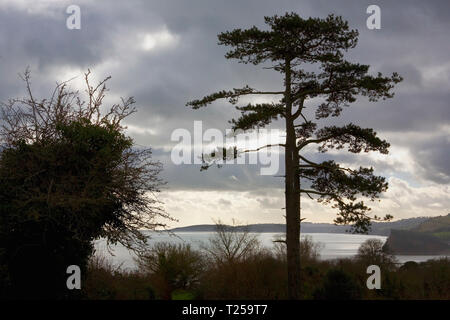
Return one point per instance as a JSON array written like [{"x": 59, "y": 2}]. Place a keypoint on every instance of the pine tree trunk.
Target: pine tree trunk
[{"x": 292, "y": 196}]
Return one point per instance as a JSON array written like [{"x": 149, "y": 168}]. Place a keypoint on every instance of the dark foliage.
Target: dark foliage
[{"x": 68, "y": 176}]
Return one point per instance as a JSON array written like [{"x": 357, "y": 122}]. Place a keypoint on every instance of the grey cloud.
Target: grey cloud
[
  {"x": 434, "y": 159},
  {"x": 189, "y": 176},
  {"x": 414, "y": 34}
]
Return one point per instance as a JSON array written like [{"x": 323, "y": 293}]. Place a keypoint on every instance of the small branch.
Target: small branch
[
  {"x": 307, "y": 121},
  {"x": 266, "y": 146},
  {"x": 308, "y": 161},
  {"x": 313, "y": 164},
  {"x": 299, "y": 110},
  {"x": 315, "y": 192},
  {"x": 305, "y": 143},
  {"x": 309, "y": 196}
]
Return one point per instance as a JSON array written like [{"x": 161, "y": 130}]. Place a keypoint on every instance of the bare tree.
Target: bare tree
[
  {"x": 33, "y": 120},
  {"x": 231, "y": 243},
  {"x": 371, "y": 252}
]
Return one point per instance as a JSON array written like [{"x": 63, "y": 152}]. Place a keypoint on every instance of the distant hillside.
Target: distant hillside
[
  {"x": 307, "y": 227},
  {"x": 405, "y": 242},
  {"x": 437, "y": 226},
  {"x": 384, "y": 228},
  {"x": 378, "y": 228}
]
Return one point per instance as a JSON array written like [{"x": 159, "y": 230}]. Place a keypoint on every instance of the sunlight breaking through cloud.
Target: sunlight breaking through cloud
[{"x": 160, "y": 39}]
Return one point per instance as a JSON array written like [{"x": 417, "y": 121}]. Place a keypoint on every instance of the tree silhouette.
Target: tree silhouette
[
  {"x": 371, "y": 252},
  {"x": 290, "y": 45},
  {"x": 69, "y": 175}
]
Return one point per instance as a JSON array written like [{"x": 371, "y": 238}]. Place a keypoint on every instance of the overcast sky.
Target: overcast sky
[{"x": 165, "y": 53}]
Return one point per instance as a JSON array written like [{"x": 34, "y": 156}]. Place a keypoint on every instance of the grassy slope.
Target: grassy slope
[{"x": 437, "y": 226}]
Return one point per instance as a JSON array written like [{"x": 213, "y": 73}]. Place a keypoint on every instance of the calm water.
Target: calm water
[{"x": 332, "y": 245}]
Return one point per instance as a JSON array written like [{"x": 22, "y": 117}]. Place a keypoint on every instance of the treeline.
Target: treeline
[{"x": 233, "y": 265}]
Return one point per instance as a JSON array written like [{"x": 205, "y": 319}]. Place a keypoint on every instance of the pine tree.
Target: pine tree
[{"x": 290, "y": 44}]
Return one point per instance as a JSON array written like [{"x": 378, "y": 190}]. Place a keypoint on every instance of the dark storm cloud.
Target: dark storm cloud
[
  {"x": 413, "y": 40},
  {"x": 44, "y": 40},
  {"x": 434, "y": 159}
]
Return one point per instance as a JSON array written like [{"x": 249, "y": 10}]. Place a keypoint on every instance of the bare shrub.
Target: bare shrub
[
  {"x": 107, "y": 281},
  {"x": 309, "y": 250},
  {"x": 171, "y": 267},
  {"x": 231, "y": 244},
  {"x": 260, "y": 276},
  {"x": 371, "y": 253}
]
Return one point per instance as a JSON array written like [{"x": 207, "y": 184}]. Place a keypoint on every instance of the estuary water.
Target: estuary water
[{"x": 332, "y": 245}]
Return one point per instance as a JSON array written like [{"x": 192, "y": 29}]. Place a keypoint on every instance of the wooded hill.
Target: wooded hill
[
  {"x": 437, "y": 226},
  {"x": 431, "y": 237}
]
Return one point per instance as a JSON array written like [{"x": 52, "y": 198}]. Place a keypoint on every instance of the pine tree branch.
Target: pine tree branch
[
  {"x": 306, "y": 142},
  {"x": 232, "y": 96},
  {"x": 263, "y": 147},
  {"x": 308, "y": 161},
  {"x": 309, "y": 191},
  {"x": 358, "y": 139}
]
